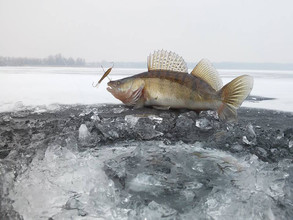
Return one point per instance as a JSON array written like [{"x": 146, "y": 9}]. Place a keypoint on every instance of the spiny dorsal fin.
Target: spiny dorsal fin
[
  {"x": 164, "y": 60},
  {"x": 205, "y": 70}
]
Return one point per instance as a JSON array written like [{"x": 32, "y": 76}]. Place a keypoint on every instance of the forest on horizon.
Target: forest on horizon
[{"x": 60, "y": 60}]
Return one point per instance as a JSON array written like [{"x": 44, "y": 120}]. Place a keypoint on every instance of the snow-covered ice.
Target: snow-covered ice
[{"x": 39, "y": 86}]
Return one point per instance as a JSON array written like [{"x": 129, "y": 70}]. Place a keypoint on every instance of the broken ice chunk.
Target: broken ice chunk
[
  {"x": 83, "y": 132},
  {"x": 95, "y": 118},
  {"x": 245, "y": 140},
  {"x": 118, "y": 110},
  {"x": 203, "y": 123},
  {"x": 251, "y": 130},
  {"x": 145, "y": 183},
  {"x": 290, "y": 144},
  {"x": 153, "y": 211},
  {"x": 155, "y": 118},
  {"x": 132, "y": 120},
  {"x": 148, "y": 132},
  {"x": 40, "y": 109},
  {"x": 6, "y": 118}
]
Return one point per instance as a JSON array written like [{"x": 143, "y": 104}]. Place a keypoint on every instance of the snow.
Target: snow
[
  {"x": 22, "y": 87},
  {"x": 38, "y": 86}
]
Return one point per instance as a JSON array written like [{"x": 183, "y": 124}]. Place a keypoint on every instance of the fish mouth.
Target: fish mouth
[
  {"x": 110, "y": 89},
  {"x": 113, "y": 89}
]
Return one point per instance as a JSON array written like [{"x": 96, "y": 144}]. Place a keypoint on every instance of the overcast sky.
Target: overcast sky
[{"x": 221, "y": 30}]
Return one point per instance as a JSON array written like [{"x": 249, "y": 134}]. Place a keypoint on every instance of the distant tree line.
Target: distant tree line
[
  {"x": 52, "y": 60},
  {"x": 59, "y": 60}
]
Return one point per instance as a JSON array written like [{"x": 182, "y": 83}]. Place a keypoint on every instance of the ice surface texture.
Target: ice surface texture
[
  {"x": 189, "y": 182},
  {"x": 65, "y": 184},
  {"x": 152, "y": 180},
  {"x": 113, "y": 162}
]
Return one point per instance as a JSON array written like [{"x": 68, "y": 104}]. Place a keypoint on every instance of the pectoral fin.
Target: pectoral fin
[{"x": 134, "y": 97}]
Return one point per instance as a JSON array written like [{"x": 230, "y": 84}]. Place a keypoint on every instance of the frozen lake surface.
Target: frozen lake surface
[
  {"x": 37, "y": 86},
  {"x": 113, "y": 162}
]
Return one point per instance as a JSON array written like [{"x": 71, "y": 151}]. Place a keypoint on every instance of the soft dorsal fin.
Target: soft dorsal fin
[
  {"x": 164, "y": 60},
  {"x": 205, "y": 70}
]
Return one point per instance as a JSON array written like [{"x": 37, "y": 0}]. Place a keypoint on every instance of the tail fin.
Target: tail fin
[{"x": 232, "y": 96}]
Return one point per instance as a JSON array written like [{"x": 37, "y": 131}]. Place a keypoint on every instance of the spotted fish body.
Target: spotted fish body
[{"x": 167, "y": 84}]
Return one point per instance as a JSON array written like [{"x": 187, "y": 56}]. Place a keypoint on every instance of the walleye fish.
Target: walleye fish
[{"x": 167, "y": 84}]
